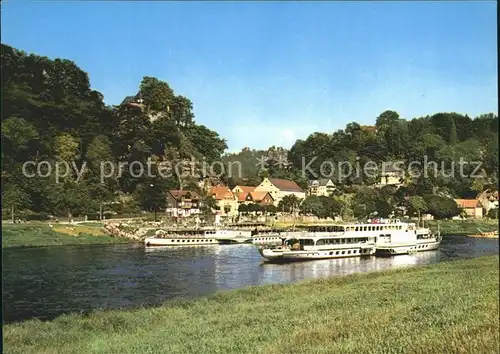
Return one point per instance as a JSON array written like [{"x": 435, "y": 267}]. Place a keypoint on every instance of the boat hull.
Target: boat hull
[
  {"x": 393, "y": 250},
  {"x": 267, "y": 240},
  {"x": 194, "y": 241},
  {"x": 428, "y": 246},
  {"x": 286, "y": 255},
  {"x": 232, "y": 241}
]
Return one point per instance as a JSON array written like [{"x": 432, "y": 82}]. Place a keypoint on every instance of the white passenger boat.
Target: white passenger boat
[
  {"x": 320, "y": 247},
  {"x": 196, "y": 237},
  {"x": 268, "y": 237},
  {"x": 407, "y": 238},
  {"x": 350, "y": 240}
]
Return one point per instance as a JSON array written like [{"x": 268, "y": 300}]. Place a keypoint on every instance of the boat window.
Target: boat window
[
  {"x": 306, "y": 242},
  {"x": 337, "y": 252},
  {"x": 357, "y": 228},
  {"x": 343, "y": 252}
]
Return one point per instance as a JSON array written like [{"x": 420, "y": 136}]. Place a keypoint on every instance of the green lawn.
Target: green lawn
[
  {"x": 450, "y": 307},
  {"x": 31, "y": 235}
]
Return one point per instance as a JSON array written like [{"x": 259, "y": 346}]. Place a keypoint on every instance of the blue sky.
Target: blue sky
[{"x": 264, "y": 74}]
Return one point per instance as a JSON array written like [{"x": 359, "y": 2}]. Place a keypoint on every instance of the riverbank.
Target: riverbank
[
  {"x": 41, "y": 234},
  {"x": 463, "y": 227},
  {"x": 450, "y": 307}
]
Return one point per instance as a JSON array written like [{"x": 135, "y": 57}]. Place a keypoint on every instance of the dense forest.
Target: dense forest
[{"x": 50, "y": 113}]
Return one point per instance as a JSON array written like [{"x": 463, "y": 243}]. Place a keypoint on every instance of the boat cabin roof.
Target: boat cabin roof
[{"x": 356, "y": 226}]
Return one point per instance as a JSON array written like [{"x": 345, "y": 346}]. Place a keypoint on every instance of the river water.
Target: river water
[{"x": 45, "y": 282}]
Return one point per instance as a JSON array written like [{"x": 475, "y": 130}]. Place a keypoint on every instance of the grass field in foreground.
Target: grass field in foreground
[
  {"x": 449, "y": 307},
  {"x": 33, "y": 235}
]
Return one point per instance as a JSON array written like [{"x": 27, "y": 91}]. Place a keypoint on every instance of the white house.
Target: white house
[
  {"x": 321, "y": 187},
  {"x": 278, "y": 188}
]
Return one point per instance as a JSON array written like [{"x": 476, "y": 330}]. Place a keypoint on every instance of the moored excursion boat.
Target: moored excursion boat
[
  {"x": 196, "y": 237},
  {"x": 350, "y": 240},
  {"x": 319, "y": 247},
  {"x": 407, "y": 239}
]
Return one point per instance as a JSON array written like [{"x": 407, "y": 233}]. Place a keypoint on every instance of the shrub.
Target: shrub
[{"x": 493, "y": 213}]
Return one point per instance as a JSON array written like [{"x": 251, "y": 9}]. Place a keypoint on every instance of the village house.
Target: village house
[
  {"x": 321, "y": 187},
  {"x": 472, "y": 207},
  {"x": 226, "y": 200},
  {"x": 132, "y": 101},
  {"x": 262, "y": 198},
  {"x": 242, "y": 190},
  {"x": 279, "y": 188},
  {"x": 183, "y": 204},
  {"x": 390, "y": 175}
]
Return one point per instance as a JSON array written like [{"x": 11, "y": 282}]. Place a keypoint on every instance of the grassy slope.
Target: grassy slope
[
  {"x": 30, "y": 235},
  {"x": 445, "y": 308}
]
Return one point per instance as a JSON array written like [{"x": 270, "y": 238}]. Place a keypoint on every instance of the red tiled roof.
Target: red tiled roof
[
  {"x": 258, "y": 196},
  {"x": 246, "y": 189},
  {"x": 241, "y": 196},
  {"x": 468, "y": 203},
  {"x": 221, "y": 192},
  {"x": 177, "y": 194},
  {"x": 285, "y": 185}
]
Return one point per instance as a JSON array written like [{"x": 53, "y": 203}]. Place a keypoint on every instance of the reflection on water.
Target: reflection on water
[{"x": 46, "y": 282}]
